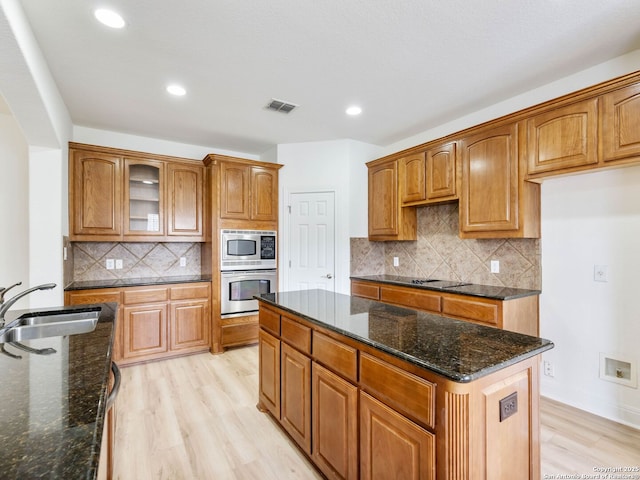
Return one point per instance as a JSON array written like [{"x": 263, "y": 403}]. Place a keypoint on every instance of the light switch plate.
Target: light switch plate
[
  {"x": 110, "y": 264},
  {"x": 495, "y": 266},
  {"x": 183, "y": 261}
]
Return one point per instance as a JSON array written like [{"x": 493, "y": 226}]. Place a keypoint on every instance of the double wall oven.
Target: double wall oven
[{"x": 248, "y": 267}]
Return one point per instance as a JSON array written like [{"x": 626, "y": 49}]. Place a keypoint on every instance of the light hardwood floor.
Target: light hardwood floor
[{"x": 195, "y": 418}]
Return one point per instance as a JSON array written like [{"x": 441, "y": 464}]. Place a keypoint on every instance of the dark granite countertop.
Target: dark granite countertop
[
  {"x": 471, "y": 289},
  {"x": 52, "y": 407},
  {"x": 458, "y": 350},
  {"x": 136, "y": 282}
]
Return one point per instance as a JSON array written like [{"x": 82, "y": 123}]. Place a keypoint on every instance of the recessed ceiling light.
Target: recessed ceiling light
[
  {"x": 109, "y": 18},
  {"x": 176, "y": 90},
  {"x": 354, "y": 110}
]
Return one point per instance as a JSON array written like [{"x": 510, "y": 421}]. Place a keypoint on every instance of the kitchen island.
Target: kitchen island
[
  {"x": 53, "y": 406},
  {"x": 372, "y": 390}
]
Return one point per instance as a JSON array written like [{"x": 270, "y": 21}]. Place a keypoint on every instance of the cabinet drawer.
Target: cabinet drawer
[
  {"x": 295, "y": 334},
  {"x": 85, "y": 297},
  {"x": 190, "y": 291},
  {"x": 145, "y": 295},
  {"x": 270, "y": 320},
  {"x": 366, "y": 290},
  {"x": 481, "y": 311},
  {"x": 336, "y": 356},
  {"x": 407, "y": 393},
  {"x": 417, "y": 299}
]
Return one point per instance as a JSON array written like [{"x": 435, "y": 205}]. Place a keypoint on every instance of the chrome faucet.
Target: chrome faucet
[
  {"x": 3, "y": 291},
  {"x": 4, "y": 307}
]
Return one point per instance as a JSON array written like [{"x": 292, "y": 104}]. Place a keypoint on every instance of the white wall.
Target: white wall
[
  {"x": 14, "y": 202},
  {"x": 599, "y": 73},
  {"x": 328, "y": 166},
  {"x": 158, "y": 146},
  {"x": 591, "y": 219}
]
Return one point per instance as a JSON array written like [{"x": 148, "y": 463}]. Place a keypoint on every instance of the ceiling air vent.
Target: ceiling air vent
[{"x": 281, "y": 106}]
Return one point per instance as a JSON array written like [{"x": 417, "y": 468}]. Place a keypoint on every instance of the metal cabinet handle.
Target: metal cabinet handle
[
  {"x": 116, "y": 385},
  {"x": 328, "y": 275}
]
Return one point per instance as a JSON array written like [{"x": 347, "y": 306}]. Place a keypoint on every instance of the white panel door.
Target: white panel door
[{"x": 312, "y": 241}]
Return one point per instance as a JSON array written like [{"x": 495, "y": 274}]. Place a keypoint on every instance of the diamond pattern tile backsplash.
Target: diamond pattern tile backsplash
[
  {"x": 440, "y": 253},
  {"x": 139, "y": 260}
]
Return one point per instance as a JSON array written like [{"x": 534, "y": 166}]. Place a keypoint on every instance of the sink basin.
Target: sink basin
[{"x": 52, "y": 324}]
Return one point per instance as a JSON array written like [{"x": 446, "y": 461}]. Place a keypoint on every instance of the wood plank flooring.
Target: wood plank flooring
[{"x": 195, "y": 418}]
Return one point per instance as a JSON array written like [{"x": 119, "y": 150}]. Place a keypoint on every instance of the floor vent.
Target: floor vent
[{"x": 281, "y": 106}]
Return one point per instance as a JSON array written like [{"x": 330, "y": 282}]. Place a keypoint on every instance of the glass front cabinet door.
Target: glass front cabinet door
[{"x": 144, "y": 198}]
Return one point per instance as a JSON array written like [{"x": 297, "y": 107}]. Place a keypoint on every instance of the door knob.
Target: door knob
[{"x": 328, "y": 275}]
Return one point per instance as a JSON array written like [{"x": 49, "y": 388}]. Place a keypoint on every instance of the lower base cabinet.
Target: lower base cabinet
[
  {"x": 391, "y": 446},
  {"x": 360, "y": 414},
  {"x": 155, "y": 322}
]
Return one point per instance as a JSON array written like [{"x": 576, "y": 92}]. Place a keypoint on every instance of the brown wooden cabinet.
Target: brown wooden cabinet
[
  {"x": 387, "y": 219},
  {"x": 563, "y": 138},
  {"x": 516, "y": 314},
  {"x": 122, "y": 195},
  {"x": 185, "y": 200},
  {"x": 248, "y": 192},
  {"x": 391, "y": 446},
  {"x": 620, "y": 125},
  {"x": 412, "y": 172},
  {"x": 269, "y": 373},
  {"x": 335, "y": 424},
  {"x": 144, "y": 193},
  {"x": 495, "y": 201},
  {"x": 441, "y": 172},
  {"x": 295, "y": 395},
  {"x": 155, "y": 322},
  {"x": 95, "y": 195}
]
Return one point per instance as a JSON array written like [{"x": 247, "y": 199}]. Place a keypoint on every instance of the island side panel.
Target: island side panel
[{"x": 474, "y": 441}]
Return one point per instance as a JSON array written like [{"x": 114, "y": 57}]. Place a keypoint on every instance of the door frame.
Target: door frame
[{"x": 285, "y": 237}]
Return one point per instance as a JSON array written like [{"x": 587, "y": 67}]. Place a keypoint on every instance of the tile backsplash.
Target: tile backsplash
[
  {"x": 440, "y": 253},
  {"x": 139, "y": 260}
]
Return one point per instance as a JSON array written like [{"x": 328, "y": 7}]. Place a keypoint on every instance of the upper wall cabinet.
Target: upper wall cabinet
[
  {"x": 118, "y": 195},
  {"x": 245, "y": 192},
  {"x": 620, "y": 124},
  {"x": 95, "y": 195},
  {"x": 387, "y": 219},
  {"x": 495, "y": 201},
  {"x": 428, "y": 177},
  {"x": 563, "y": 138}
]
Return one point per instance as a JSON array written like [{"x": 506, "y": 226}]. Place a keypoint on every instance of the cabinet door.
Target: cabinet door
[
  {"x": 391, "y": 446},
  {"x": 96, "y": 195},
  {"x": 269, "y": 375},
  {"x": 412, "y": 173},
  {"x": 441, "y": 172},
  {"x": 234, "y": 191},
  {"x": 383, "y": 199},
  {"x": 335, "y": 424},
  {"x": 144, "y": 198},
  {"x": 489, "y": 199},
  {"x": 295, "y": 400},
  {"x": 145, "y": 331},
  {"x": 264, "y": 194},
  {"x": 563, "y": 138},
  {"x": 189, "y": 324},
  {"x": 184, "y": 200},
  {"x": 620, "y": 131}
]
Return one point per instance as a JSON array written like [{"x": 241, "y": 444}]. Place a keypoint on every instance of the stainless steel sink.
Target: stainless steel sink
[{"x": 55, "y": 323}]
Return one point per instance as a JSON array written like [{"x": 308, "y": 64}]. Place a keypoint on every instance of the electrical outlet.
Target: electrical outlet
[
  {"x": 64, "y": 253},
  {"x": 110, "y": 264},
  {"x": 495, "y": 266},
  {"x": 549, "y": 371},
  {"x": 183, "y": 261},
  {"x": 600, "y": 273},
  {"x": 396, "y": 262},
  {"x": 119, "y": 264}
]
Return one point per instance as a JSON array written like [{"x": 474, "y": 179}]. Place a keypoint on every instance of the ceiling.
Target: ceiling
[{"x": 410, "y": 65}]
